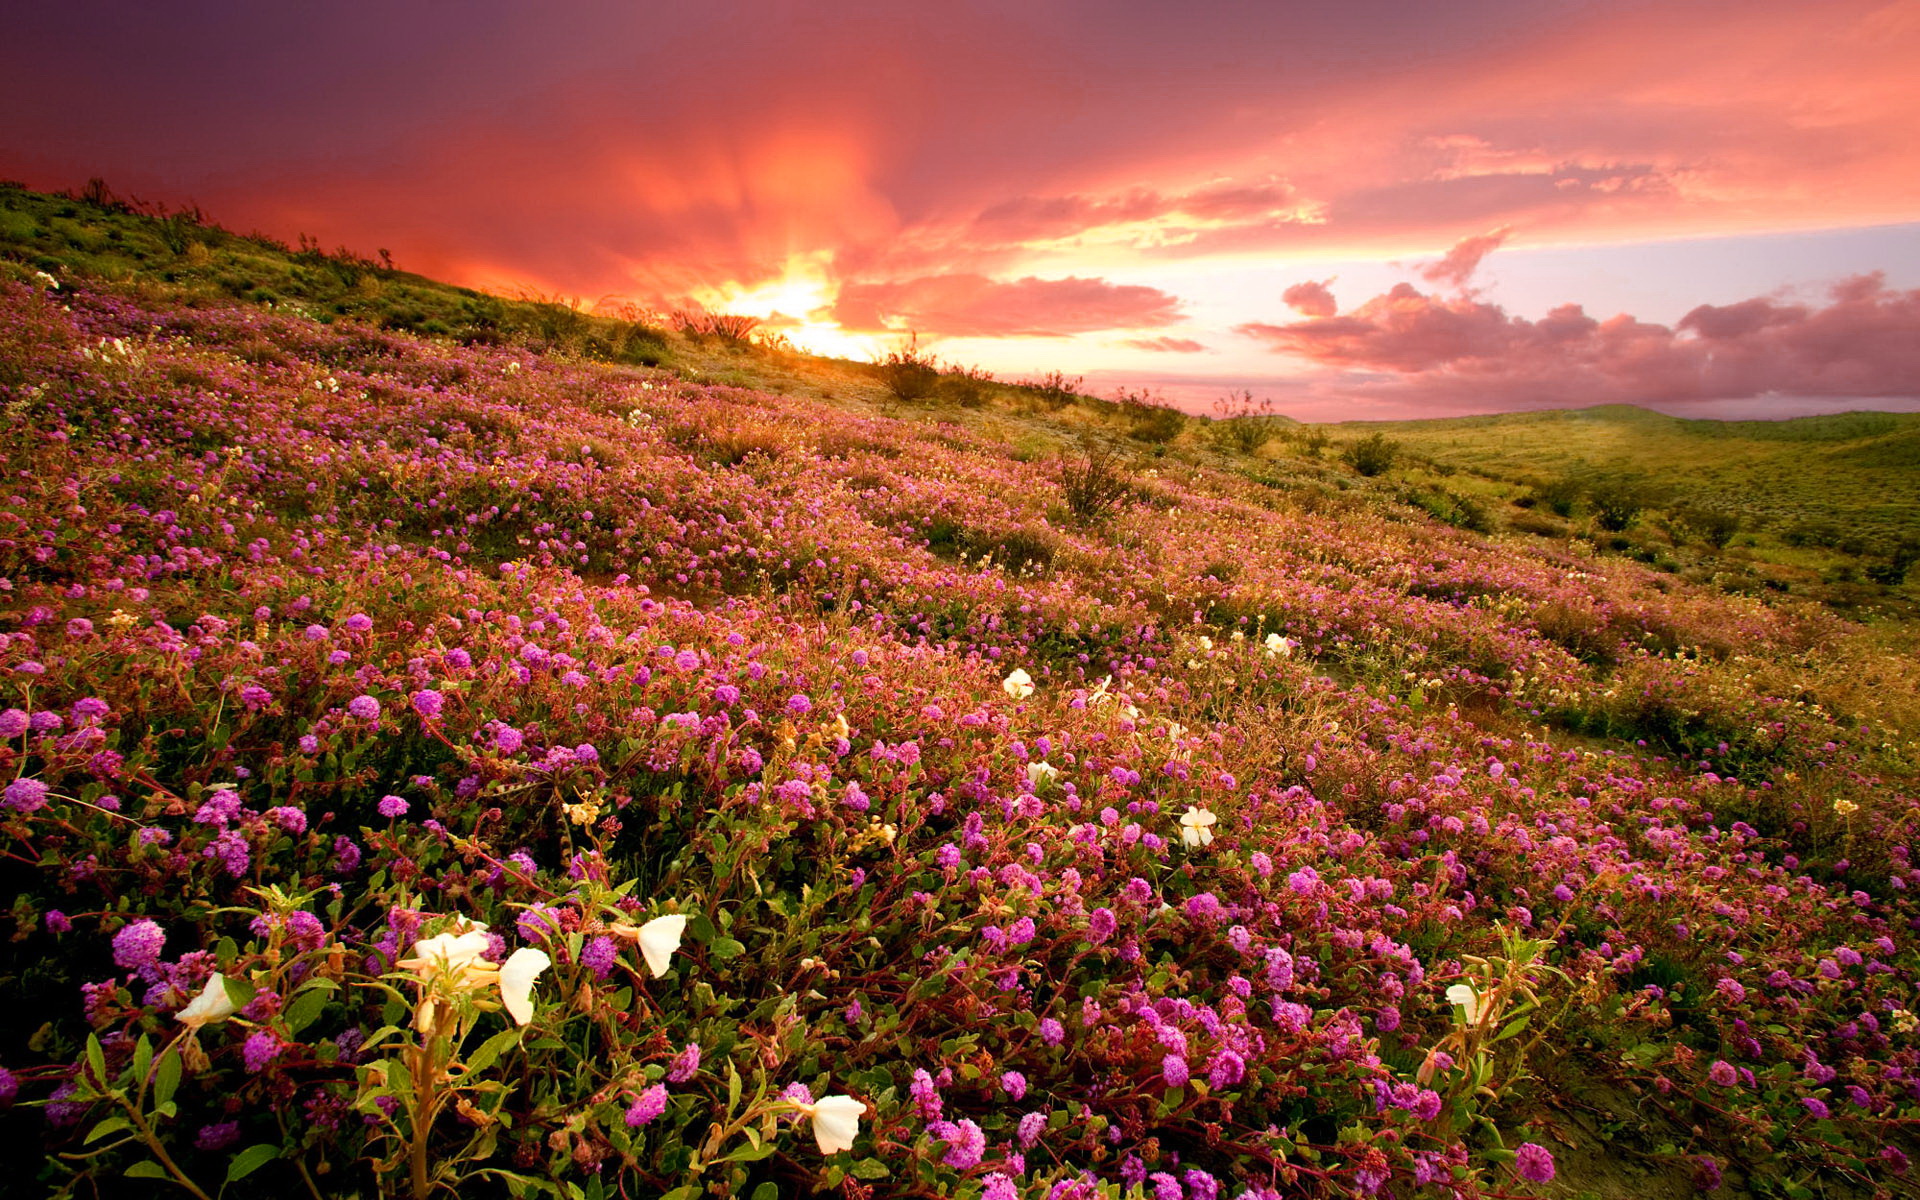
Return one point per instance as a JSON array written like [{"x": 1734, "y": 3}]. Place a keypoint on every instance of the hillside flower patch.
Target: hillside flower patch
[{"x": 490, "y": 773}]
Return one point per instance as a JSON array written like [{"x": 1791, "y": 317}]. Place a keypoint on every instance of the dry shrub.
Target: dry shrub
[
  {"x": 1096, "y": 484},
  {"x": 909, "y": 372},
  {"x": 1579, "y": 628}
]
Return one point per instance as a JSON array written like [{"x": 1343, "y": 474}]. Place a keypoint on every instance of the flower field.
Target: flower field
[{"x": 452, "y": 770}]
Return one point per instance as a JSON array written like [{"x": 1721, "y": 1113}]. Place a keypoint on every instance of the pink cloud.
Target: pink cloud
[
  {"x": 598, "y": 157},
  {"x": 1864, "y": 342},
  {"x": 975, "y": 306},
  {"x": 1311, "y": 299},
  {"x": 1165, "y": 345},
  {"x": 1457, "y": 266}
]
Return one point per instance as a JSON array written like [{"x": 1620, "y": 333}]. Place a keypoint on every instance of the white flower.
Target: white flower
[
  {"x": 659, "y": 938},
  {"x": 1039, "y": 774},
  {"x": 517, "y": 974},
  {"x": 1463, "y": 995},
  {"x": 459, "y": 956},
  {"x": 1276, "y": 644},
  {"x": 1196, "y": 827},
  {"x": 1206, "y": 643},
  {"x": 1019, "y": 685},
  {"x": 210, "y": 1007},
  {"x": 836, "y": 1122}
]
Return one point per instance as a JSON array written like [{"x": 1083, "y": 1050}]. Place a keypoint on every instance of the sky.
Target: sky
[{"x": 1371, "y": 209}]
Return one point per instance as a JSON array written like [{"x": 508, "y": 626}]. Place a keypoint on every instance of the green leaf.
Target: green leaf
[
  {"x": 766, "y": 1191},
  {"x": 870, "y": 1168},
  {"x": 491, "y": 1050},
  {"x": 239, "y": 991},
  {"x": 97, "y": 1060},
  {"x": 1513, "y": 1027},
  {"x": 110, "y": 1125},
  {"x": 306, "y": 1009},
  {"x": 747, "y": 1154},
  {"x": 250, "y": 1160},
  {"x": 733, "y": 1088},
  {"x": 148, "y": 1169},
  {"x": 142, "y": 1060},
  {"x": 726, "y": 947}
]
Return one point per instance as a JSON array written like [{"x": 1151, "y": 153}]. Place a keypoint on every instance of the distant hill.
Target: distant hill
[{"x": 1856, "y": 473}]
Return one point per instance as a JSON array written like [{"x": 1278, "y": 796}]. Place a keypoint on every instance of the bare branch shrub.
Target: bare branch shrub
[{"x": 1097, "y": 483}]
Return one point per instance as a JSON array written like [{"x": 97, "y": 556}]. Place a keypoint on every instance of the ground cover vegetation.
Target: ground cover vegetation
[
  {"x": 438, "y": 766},
  {"x": 1823, "y": 502}
]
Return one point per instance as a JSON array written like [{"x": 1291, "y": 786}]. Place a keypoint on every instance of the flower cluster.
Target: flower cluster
[{"x": 620, "y": 785}]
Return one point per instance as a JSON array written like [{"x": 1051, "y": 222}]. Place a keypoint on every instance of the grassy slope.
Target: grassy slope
[
  {"x": 1388, "y": 603},
  {"x": 1859, "y": 471}
]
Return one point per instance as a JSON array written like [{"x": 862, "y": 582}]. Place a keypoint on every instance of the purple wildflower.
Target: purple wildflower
[
  {"x": 1032, "y": 1125},
  {"x": 685, "y": 1064},
  {"x": 260, "y": 1048},
  {"x": 26, "y": 795},
  {"x": 139, "y": 945},
  {"x": 1173, "y": 1069},
  {"x": 599, "y": 956},
  {"x": 646, "y": 1106},
  {"x": 966, "y": 1143},
  {"x": 1533, "y": 1163}
]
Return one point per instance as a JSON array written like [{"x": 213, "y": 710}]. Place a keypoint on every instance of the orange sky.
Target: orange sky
[{"x": 1120, "y": 189}]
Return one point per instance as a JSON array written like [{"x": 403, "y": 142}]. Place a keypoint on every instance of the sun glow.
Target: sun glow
[{"x": 797, "y": 305}]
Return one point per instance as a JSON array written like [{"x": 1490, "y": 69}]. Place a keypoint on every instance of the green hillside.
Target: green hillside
[{"x": 1826, "y": 479}]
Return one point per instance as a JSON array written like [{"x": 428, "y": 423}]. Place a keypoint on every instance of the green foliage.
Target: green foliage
[
  {"x": 1372, "y": 455},
  {"x": 908, "y": 372},
  {"x": 1149, "y": 417},
  {"x": 1455, "y": 508},
  {"x": 1713, "y": 526},
  {"x": 968, "y": 387},
  {"x": 1246, "y": 424},
  {"x": 1616, "y": 503},
  {"x": 1559, "y": 495}
]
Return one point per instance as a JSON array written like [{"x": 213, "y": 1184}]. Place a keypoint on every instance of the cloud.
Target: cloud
[
  {"x": 1164, "y": 345},
  {"x": 964, "y": 305},
  {"x": 600, "y": 155},
  {"x": 1457, "y": 266},
  {"x": 1311, "y": 299},
  {"x": 1422, "y": 348}
]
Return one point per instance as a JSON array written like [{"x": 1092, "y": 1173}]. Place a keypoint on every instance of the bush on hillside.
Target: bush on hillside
[
  {"x": 1616, "y": 503},
  {"x": 968, "y": 387},
  {"x": 1244, "y": 423},
  {"x": 908, "y": 372},
  {"x": 1097, "y": 483},
  {"x": 1149, "y": 417},
  {"x": 1372, "y": 455}
]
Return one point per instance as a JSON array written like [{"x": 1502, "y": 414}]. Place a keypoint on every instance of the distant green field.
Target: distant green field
[{"x": 1851, "y": 475}]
